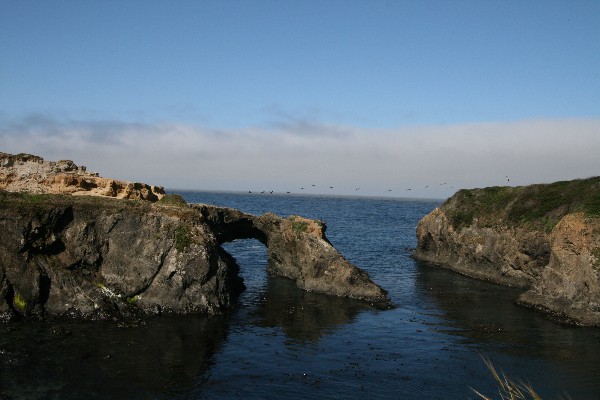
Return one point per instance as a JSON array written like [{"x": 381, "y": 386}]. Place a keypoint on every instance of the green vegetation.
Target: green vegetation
[
  {"x": 31, "y": 198},
  {"x": 132, "y": 299},
  {"x": 173, "y": 200},
  {"x": 298, "y": 226},
  {"x": 596, "y": 253},
  {"x": 19, "y": 302},
  {"x": 536, "y": 206},
  {"x": 182, "y": 238}
]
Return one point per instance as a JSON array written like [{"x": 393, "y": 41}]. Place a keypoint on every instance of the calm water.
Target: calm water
[{"x": 283, "y": 342}]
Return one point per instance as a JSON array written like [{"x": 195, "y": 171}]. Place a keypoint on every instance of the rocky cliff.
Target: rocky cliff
[
  {"x": 97, "y": 257},
  {"x": 543, "y": 238},
  {"x": 32, "y": 174}
]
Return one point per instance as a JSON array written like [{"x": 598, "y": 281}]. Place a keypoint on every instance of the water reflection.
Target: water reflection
[
  {"x": 485, "y": 314},
  {"x": 164, "y": 356},
  {"x": 303, "y": 316}
]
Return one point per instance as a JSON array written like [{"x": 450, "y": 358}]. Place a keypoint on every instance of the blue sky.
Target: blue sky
[{"x": 363, "y": 91}]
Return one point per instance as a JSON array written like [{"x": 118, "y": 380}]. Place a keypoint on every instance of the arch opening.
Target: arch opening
[{"x": 251, "y": 256}]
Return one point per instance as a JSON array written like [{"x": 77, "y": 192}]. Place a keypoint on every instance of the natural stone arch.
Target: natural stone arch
[
  {"x": 297, "y": 249},
  {"x": 101, "y": 258}
]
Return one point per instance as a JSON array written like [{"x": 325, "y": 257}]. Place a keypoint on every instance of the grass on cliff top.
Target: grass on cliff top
[
  {"x": 42, "y": 203},
  {"x": 49, "y": 200},
  {"x": 536, "y": 206}
]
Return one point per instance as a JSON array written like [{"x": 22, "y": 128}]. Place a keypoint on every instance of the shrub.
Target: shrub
[
  {"x": 182, "y": 237},
  {"x": 19, "y": 302},
  {"x": 298, "y": 226},
  {"x": 173, "y": 200}
]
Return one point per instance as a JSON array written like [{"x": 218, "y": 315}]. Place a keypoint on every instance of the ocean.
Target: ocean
[{"x": 282, "y": 342}]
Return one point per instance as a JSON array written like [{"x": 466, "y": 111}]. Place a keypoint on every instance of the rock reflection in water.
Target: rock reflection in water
[
  {"x": 484, "y": 314},
  {"x": 164, "y": 356},
  {"x": 304, "y": 316}
]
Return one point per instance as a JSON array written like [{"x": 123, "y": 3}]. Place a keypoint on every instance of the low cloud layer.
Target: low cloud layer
[{"x": 431, "y": 161}]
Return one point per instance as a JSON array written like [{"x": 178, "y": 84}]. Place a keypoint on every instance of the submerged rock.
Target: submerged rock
[{"x": 543, "y": 238}]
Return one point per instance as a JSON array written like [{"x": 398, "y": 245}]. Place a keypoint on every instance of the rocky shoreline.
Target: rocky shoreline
[
  {"x": 542, "y": 238},
  {"x": 124, "y": 253}
]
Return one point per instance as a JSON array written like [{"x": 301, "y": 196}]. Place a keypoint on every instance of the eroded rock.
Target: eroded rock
[
  {"x": 543, "y": 238},
  {"x": 32, "y": 174},
  {"x": 74, "y": 245}
]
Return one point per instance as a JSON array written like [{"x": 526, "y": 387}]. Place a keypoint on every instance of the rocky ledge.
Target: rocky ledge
[
  {"x": 32, "y": 174},
  {"x": 96, "y": 257},
  {"x": 543, "y": 238}
]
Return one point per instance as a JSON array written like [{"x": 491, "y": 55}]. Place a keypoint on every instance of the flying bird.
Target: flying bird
[{"x": 507, "y": 179}]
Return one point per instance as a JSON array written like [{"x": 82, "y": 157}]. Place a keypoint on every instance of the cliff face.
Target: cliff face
[
  {"x": 543, "y": 238},
  {"x": 32, "y": 174},
  {"x": 97, "y": 258}
]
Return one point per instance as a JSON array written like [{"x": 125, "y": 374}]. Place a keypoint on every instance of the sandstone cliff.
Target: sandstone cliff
[
  {"x": 98, "y": 257},
  {"x": 543, "y": 238},
  {"x": 32, "y": 174}
]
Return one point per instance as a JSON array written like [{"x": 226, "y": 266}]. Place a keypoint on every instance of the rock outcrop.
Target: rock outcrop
[
  {"x": 543, "y": 238},
  {"x": 29, "y": 173},
  {"x": 96, "y": 257},
  {"x": 299, "y": 250}
]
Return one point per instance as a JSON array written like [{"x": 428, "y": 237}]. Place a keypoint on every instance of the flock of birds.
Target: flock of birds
[
  {"x": 357, "y": 189},
  {"x": 331, "y": 187}
]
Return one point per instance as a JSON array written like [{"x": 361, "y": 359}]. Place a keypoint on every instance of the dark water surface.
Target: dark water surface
[{"x": 283, "y": 342}]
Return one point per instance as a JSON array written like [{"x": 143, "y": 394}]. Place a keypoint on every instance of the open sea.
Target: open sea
[{"x": 282, "y": 342}]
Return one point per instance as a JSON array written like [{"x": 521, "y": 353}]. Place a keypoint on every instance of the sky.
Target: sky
[{"x": 380, "y": 98}]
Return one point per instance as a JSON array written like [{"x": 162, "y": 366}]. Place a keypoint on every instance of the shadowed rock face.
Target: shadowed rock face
[
  {"x": 543, "y": 238},
  {"x": 98, "y": 258}
]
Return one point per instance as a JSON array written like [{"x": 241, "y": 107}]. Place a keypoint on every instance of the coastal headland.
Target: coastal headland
[
  {"x": 543, "y": 238},
  {"x": 75, "y": 245}
]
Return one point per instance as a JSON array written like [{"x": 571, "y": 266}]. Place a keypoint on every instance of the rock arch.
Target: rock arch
[
  {"x": 100, "y": 258},
  {"x": 297, "y": 249}
]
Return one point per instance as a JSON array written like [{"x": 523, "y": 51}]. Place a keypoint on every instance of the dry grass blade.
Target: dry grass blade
[{"x": 507, "y": 388}]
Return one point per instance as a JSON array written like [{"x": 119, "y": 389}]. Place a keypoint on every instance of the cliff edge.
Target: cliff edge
[
  {"x": 70, "y": 255},
  {"x": 542, "y": 238},
  {"x": 32, "y": 174}
]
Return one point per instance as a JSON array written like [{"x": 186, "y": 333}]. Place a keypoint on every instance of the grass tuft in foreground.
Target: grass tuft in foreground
[{"x": 508, "y": 389}]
